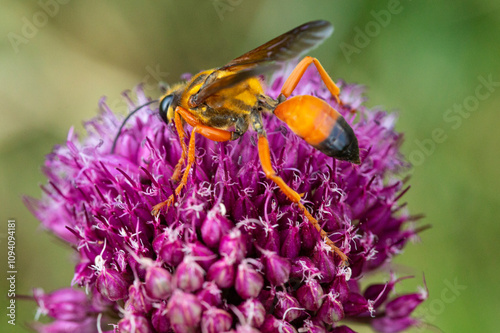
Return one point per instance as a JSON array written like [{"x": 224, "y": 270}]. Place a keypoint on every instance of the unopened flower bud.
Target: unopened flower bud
[
  {"x": 158, "y": 282},
  {"x": 171, "y": 252},
  {"x": 137, "y": 301},
  {"x": 233, "y": 245},
  {"x": 288, "y": 307},
  {"x": 268, "y": 238},
  {"x": 222, "y": 273},
  {"x": 111, "y": 284},
  {"x": 248, "y": 281},
  {"x": 133, "y": 323},
  {"x": 277, "y": 268},
  {"x": 273, "y": 325},
  {"x": 160, "y": 320},
  {"x": 253, "y": 311},
  {"x": 213, "y": 228},
  {"x": 325, "y": 262},
  {"x": 215, "y": 320},
  {"x": 340, "y": 287},
  {"x": 381, "y": 291},
  {"x": 309, "y": 236},
  {"x": 202, "y": 254},
  {"x": 184, "y": 312},
  {"x": 291, "y": 244},
  {"x": 312, "y": 326},
  {"x": 210, "y": 294},
  {"x": 355, "y": 305},
  {"x": 404, "y": 305},
  {"x": 63, "y": 304},
  {"x": 303, "y": 267},
  {"x": 189, "y": 276},
  {"x": 310, "y": 295},
  {"x": 331, "y": 311}
]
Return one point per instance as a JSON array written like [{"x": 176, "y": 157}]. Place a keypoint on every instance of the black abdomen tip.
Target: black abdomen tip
[{"x": 341, "y": 143}]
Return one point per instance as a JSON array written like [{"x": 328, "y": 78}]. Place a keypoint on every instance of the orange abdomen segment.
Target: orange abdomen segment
[{"x": 320, "y": 125}]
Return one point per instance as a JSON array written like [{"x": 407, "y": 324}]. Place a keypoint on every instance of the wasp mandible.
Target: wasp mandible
[{"x": 232, "y": 97}]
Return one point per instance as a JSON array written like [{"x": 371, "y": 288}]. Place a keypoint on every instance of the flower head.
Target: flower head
[{"x": 232, "y": 253}]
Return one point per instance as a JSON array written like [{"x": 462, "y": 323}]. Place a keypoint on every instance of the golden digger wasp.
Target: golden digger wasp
[{"x": 221, "y": 103}]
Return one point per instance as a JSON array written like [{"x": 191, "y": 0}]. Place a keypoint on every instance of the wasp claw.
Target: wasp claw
[
  {"x": 176, "y": 175},
  {"x": 155, "y": 211}
]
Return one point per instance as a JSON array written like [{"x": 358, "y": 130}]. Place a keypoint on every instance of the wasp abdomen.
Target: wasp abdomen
[{"x": 320, "y": 125}]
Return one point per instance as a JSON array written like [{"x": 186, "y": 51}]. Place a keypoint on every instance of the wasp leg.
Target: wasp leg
[
  {"x": 299, "y": 71},
  {"x": 240, "y": 127},
  {"x": 265, "y": 161},
  {"x": 180, "y": 131},
  {"x": 208, "y": 132}
]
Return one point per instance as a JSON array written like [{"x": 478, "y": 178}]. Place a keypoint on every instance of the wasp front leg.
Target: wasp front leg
[
  {"x": 180, "y": 132},
  {"x": 213, "y": 134}
]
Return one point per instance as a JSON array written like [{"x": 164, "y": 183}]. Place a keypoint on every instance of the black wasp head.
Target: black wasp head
[{"x": 165, "y": 105}]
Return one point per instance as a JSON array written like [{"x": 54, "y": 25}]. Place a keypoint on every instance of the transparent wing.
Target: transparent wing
[{"x": 289, "y": 45}]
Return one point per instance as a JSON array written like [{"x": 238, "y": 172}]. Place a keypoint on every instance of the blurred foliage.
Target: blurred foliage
[{"x": 423, "y": 60}]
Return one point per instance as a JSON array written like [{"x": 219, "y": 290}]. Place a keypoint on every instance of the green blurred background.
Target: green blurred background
[{"x": 427, "y": 60}]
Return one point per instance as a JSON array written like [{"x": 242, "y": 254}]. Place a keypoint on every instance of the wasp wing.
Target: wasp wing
[{"x": 289, "y": 45}]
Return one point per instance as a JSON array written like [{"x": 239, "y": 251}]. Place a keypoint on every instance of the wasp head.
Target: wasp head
[{"x": 167, "y": 107}]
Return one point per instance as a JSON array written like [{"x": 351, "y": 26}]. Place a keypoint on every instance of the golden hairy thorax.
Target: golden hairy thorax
[{"x": 222, "y": 109}]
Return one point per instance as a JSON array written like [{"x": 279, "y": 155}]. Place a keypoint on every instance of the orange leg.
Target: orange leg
[
  {"x": 208, "y": 132},
  {"x": 213, "y": 134},
  {"x": 265, "y": 160},
  {"x": 299, "y": 71},
  {"x": 180, "y": 132}
]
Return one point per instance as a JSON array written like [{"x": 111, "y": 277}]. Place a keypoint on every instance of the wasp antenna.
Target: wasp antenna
[{"x": 125, "y": 121}]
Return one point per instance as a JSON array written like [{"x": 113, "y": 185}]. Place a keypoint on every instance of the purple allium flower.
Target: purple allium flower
[{"x": 232, "y": 253}]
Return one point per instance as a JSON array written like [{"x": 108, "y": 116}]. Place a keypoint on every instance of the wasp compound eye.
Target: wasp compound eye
[{"x": 164, "y": 106}]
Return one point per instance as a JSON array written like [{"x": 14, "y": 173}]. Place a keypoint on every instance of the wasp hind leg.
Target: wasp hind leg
[
  {"x": 265, "y": 161},
  {"x": 298, "y": 72}
]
